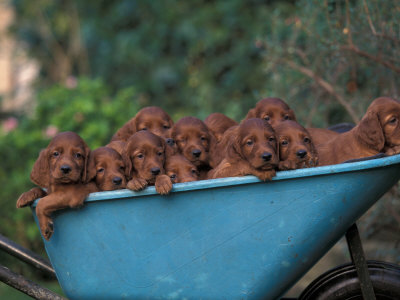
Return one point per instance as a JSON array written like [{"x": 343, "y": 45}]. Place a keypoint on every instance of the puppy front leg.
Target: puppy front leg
[
  {"x": 163, "y": 184},
  {"x": 28, "y": 197},
  {"x": 137, "y": 184}
]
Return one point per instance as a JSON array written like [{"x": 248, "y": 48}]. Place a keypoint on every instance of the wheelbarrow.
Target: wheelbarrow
[{"x": 229, "y": 238}]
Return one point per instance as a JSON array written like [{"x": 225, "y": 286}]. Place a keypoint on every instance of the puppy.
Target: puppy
[
  {"x": 194, "y": 141},
  {"x": 144, "y": 155},
  {"x": 117, "y": 146},
  {"x": 107, "y": 169},
  {"x": 272, "y": 110},
  {"x": 321, "y": 135},
  {"x": 378, "y": 131},
  {"x": 218, "y": 123},
  {"x": 179, "y": 169},
  {"x": 296, "y": 148},
  {"x": 61, "y": 170},
  {"x": 253, "y": 150},
  {"x": 151, "y": 118}
]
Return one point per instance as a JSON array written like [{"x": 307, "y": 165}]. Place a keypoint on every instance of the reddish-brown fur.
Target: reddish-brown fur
[
  {"x": 107, "y": 169},
  {"x": 61, "y": 169},
  {"x": 252, "y": 149},
  {"x": 321, "y": 135},
  {"x": 144, "y": 155},
  {"x": 179, "y": 169},
  {"x": 151, "y": 118},
  {"x": 273, "y": 110},
  {"x": 378, "y": 131},
  {"x": 194, "y": 141},
  {"x": 117, "y": 146},
  {"x": 218, "y": 123},
  {"x": 296, "y": 148}
]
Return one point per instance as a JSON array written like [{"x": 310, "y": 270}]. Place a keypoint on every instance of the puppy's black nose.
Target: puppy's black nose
[
  {"x": 117, "y": 180},
  {"x": 301, "y": 153},
  {"x": 170, "y": 141},
  {"x": 65, "y": 169},
  {"x": 196, "y": 152},
  {"x": 266, "y": 156},
  {"x": 155, "y": 171}
]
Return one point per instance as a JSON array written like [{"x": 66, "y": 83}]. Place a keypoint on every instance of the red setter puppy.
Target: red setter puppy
[
  {"x": 378, "y": 131},
  {"x": 252, "y": 150},
  {"x": 118, "y": 146},
  {"x": 107, "y": 169},
  {"x": 179, "y": 169},
  {"x": 61, "y": 169},
  {"x": 272, "y": 110},
  {"x": 151, "y": 118},
  {"x": 296, "y": 148},
  {"x": 144, "y": 155},
  {"x": 321, "y": 135},
  {"x": 218, "y": 123},
  {"x": 194, "y": 141}
]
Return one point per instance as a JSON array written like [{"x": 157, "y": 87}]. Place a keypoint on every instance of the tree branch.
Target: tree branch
[{"x": 326, "y": 86}]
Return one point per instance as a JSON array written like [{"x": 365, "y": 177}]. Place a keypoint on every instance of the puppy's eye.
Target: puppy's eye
[
  {"x": 203, "y": 138},
  {"x": 267, "y": 118},
  {"x": 284, "y": 143},
  {"x": 286, "y": 117},
  {"x": 166, "y": 127},
  {"x": 78, "y": 155},
  {"x": 140, "y": 156},
  {"x": 393, "y": 120},
  {"x": 144, "y": 128},
  {"x": 122, "y": 168},
  {"x": 160, "y": 153},
  {"x": 172, "y": 176},
  {"x": 249, "y": 142},
  {"x": 271, "y": 139},
  {"x": 101, "y": 170},
  {"x": 194, "y": 171},
  {"x": 56, "y": 153},
  {"x": 307, "y": 140}
]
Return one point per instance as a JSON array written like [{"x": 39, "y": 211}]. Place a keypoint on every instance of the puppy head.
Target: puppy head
[
  {"x": 218, "y": 123},
  {"x": 179, "y": 169},
  {"x": 380, "y": 126},
  {"x": 295, "y": 144},
  {"x": 155, "y": 120},
  {"x": 64, "y": 161},
  {"x": 144, "y": 155},
  {"x": 107, "y": 168},
  {"x": 272, "y": 110},
  {"x": 117, "y": 146},
  {"x": 256, "y": 143},
  {"x": 193, "y": 140}
]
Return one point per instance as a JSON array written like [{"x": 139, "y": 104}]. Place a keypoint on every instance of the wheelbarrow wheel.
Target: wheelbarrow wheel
[{"x": 342, "y": 283}]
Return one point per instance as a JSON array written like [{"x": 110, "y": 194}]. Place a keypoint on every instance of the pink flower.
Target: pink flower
[
  {"x": 10, "y": 124},
  {"x": 51, "y": 131},
  {"x": 71, "y": 82}
]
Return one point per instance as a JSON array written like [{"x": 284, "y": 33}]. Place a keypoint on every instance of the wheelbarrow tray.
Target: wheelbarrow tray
[{"x": 230, "y": 238}]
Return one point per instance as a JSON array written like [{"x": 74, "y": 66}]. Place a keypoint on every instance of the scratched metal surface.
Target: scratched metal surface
[{"x": 231, "y": 238}]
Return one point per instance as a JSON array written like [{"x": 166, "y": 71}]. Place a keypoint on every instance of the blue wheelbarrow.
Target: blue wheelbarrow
[{"x": 230, "y": 238}]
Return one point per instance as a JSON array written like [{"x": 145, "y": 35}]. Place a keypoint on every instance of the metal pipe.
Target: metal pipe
[
  {"x": 26, "y": 255},
  {"x": 26, "y": 286}
]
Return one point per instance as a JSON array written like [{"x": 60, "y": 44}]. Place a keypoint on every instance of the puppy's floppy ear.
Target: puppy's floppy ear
[
  {"x": 40, "y": 174},
  {"x": 91, "y": 168},
  {"x": 86, "y": 162},
  {"x": 127, "y": 162},
  {"x": 370, "y": 131},
  {"x": 234, "y": 150}
]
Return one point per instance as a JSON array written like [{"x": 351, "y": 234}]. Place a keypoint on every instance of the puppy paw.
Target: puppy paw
[
  {"x": 137, "y": 184},
  {"x": 30, "y": 196},
  {"x": 393, "y": 150},
  {"x": 163, "y": 184},
  {"x": 47, "y": 228},
  {"x": 287, "y": 165},
  {"x": 267, "y": 175}
]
